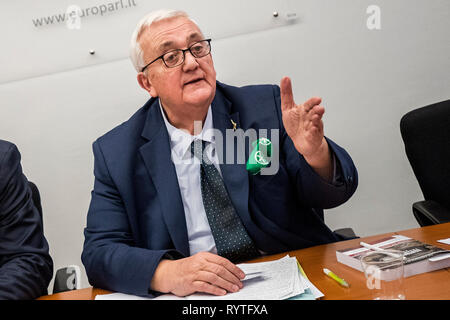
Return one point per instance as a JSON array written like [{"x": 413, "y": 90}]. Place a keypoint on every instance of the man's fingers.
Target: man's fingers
[
  {"x": 319, "y": 109},
  {"x": 201, "y": 286},
  {"x": 287, "y": 97},
  {"x": 315, "y": 127},
  {"x": 311, "y": 103},
  {"x": 227, "y": 264},
  {"x": 316, "y": 118},
  {"x": 217, "y": 281},
  {"x": 314, "y": 114},
  {"x": 223, "y": 273}
]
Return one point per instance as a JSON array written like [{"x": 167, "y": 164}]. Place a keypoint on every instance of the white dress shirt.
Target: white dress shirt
[{"x": 188, "y": 173}]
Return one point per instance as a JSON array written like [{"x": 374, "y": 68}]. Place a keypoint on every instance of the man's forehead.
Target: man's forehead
[
  {"x": 166, "y": 33},
  {"x": 168, "y": 43}
]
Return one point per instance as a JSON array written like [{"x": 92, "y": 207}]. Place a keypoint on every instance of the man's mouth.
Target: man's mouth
[{"x": 193, "y": 81}]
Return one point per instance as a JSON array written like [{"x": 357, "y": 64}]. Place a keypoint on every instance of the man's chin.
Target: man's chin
[{"x": 200, "y": 96}]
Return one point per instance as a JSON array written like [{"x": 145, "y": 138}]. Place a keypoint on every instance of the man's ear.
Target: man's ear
[{"x": 146, "y": 84}]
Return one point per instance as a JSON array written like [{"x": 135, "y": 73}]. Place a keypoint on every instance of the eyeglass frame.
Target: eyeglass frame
[{"x": 184, "y": 54}]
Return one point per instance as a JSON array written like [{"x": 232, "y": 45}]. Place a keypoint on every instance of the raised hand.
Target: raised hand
[{"x": 303, "y": 124}]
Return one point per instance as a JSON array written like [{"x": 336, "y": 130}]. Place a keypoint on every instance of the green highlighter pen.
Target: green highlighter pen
[{"x": 333, "y": 276}]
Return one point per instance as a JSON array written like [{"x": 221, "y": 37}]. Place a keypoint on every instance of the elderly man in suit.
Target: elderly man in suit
[
  {"x": 26, "y": 267},
  {"x": 157, "y": 223}
]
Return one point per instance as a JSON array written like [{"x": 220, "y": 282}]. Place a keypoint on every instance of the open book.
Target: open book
[{"x": 419, "y": 257}]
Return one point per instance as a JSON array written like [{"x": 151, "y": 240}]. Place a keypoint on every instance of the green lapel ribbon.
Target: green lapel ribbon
[{"x": 260, "y": 156}]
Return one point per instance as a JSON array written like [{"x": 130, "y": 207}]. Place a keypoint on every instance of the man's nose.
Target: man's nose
[{"x": 190, "y": 62}]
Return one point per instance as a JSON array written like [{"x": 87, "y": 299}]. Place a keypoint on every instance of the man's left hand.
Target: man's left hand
[{"x": 303, "y": 124}]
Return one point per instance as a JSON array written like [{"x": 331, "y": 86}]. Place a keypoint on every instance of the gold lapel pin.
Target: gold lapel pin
[{"x": 234, "y": 124}]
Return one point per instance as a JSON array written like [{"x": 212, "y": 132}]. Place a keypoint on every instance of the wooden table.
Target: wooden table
[{"x": 432, "y": 285}]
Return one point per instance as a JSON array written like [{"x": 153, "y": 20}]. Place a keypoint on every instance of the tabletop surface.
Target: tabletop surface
[{"x": 425, "y": 286}]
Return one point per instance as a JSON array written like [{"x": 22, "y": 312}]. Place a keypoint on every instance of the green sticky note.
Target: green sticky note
[{"x": 260, "y": 155}]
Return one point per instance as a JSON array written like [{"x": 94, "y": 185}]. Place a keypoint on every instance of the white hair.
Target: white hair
[{"x": 136, "y": 52}]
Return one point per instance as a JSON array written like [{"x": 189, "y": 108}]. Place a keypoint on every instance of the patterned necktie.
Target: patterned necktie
[{"x": 232, "y": 240}]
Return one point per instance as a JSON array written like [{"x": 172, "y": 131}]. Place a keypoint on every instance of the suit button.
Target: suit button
[{"x": 350, "y": 179}]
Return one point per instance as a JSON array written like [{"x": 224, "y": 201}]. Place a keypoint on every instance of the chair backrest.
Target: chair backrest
[
  {"x": 67, "y": 279},
  {"x": 426, "y": 134}
]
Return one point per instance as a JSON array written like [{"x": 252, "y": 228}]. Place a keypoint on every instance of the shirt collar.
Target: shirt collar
[{"x": 180, "y": 141}]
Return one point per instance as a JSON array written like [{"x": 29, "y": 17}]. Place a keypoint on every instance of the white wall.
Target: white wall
[{"x": 56, "y": 99}]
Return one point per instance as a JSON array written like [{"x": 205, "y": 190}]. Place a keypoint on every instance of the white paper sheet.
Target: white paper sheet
[
  {"x": 277, "y": 281},
  {"x": 119, "y": 296},
  {"x": 272, "y": 280}
]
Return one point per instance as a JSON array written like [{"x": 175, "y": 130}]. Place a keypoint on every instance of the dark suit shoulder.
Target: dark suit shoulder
[
  {"x": 9, "y": 160},
  {"x": 7, "y": 147}
]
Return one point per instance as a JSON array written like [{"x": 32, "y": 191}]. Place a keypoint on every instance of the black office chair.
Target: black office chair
[
  {"x": 67, "y": 278},
  {"x": 346, "y": 233},
  {"x": 426, "y": 134}
]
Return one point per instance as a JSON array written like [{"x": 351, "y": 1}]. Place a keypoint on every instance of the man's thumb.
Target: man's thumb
[{"x": 287, "y": 98}]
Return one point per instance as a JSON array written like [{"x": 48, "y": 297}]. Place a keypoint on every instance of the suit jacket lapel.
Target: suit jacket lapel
[
  {"x": 235, "y": 175},
  {"x": 157, "y": 158}
]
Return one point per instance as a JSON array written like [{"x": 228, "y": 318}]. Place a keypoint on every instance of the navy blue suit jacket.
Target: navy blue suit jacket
[
  {"x": 136, "y": 214},
  {"x": 26, "y": 267}
]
